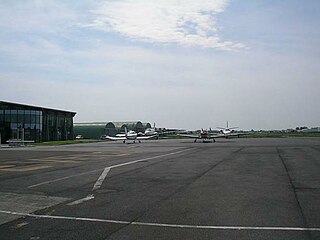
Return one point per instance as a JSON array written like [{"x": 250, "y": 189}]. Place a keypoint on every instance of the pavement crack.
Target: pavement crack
[
  {"x": 178, "y": 190},
  {"x": 305, "y": 224}
]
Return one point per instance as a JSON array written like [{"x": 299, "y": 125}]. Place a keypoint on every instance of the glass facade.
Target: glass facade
[{"x": 34, "y": 123}]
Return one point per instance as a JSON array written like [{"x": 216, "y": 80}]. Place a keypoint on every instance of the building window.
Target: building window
[{"x": 38, "y": 125}]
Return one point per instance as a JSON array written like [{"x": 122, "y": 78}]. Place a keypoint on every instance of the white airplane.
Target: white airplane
[
  {"x": 228, "y": 132},
  {"x": 151, "y": 131},
  {"x": 148, "y": 132},
  {"x": 129, "y": 135}
]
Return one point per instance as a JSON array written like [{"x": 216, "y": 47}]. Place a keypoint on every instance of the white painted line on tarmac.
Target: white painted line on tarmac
[
  {"x": 87, "y": 198},
  {"x": 215, "y": 227},
  {"x": 225, "y": 227},
  {"x": 149, "y": 158},
  {"x": 97, "y": 170},
  {"x": 64, "y": 218},
  {"x": 105, "y": 172},
  {"x": 99, "y": 182}
]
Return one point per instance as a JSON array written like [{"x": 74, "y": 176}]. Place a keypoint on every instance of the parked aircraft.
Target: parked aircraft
[
  {"x": 224, "y": 133},
  {"x": 228, "y": 131},
  {"x": 203, "y": 135},
  {"x": 129, "y": 135},
  {"x": 148, "y": 132},
  {"x": 151, "y": 131}
]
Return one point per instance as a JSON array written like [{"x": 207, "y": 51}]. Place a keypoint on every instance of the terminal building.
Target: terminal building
[{"x": 32, "y": 123}]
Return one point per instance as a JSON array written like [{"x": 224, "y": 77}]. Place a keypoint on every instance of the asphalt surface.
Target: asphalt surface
[{"x": 162, "y": 189}]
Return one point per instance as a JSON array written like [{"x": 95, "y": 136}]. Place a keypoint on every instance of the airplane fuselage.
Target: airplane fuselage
[
  {"x": 131, "y": 135},
  {"x": 150, "y": 132},
  {"x": 204, "y": 134},
  {"x": 227, "y": 131}
]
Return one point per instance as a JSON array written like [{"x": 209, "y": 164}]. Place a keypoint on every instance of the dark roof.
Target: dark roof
[{"x": 34, "y": 107}]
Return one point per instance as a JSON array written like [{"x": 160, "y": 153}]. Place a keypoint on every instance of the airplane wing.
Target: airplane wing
[
  {"x": 234, "y": 134},
  {"x": 212, "y": 136},
  {"x": 218, "y": 135},
  {"x": 238, "y": 134},
  {"x": 116, "y": 138},
  {"x": 188, "y": 136},
  {"x": 146, "y": 137},
  {"x": 221, "y": 135}
]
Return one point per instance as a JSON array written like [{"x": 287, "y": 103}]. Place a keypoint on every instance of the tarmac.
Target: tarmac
[{"x": 162, "y": 189}]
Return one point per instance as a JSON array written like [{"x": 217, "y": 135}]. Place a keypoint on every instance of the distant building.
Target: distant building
[
  {"x": 34, "y": 123},
  {"x": 89, "y": 130},
  {"x": 311, "y": 130},
  {"x": 96, "y": 129}
]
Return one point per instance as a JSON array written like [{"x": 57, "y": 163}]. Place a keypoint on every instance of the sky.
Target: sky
[{"x": 185, "y": 64}]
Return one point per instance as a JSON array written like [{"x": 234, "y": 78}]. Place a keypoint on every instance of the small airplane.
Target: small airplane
[
  {"x": 224, "y": 133},
  {"x": 203, "y": 135},
  {"x": 148, "y": 132},
  {"x": 151, "y": 131},
  {"x": 129, "y": 135},
  {"x": 228, "y": 132}
]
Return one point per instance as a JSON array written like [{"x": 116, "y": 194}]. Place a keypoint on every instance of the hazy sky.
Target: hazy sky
[{"x": 180, "y": 63}]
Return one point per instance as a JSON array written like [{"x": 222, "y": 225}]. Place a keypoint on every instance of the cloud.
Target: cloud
[
  {"x": 188, "y": 22},
  {"x": 48, "y": 58}
]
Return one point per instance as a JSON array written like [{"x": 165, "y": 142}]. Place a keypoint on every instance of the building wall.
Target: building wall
[
  {"x": 19, "y": 121},
  {"x": 89, "y": 132},
  {"x": 57, "y": 126}
]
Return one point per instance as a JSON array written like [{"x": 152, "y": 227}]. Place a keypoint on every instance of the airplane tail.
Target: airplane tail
[
  {"x": 126, "y": 131},
  {"x": 222, "y": 128},
  {"x": 230, "y": 127}
]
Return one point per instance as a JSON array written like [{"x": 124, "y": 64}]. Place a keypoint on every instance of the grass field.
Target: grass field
[{"x": 280, "y": 135}]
